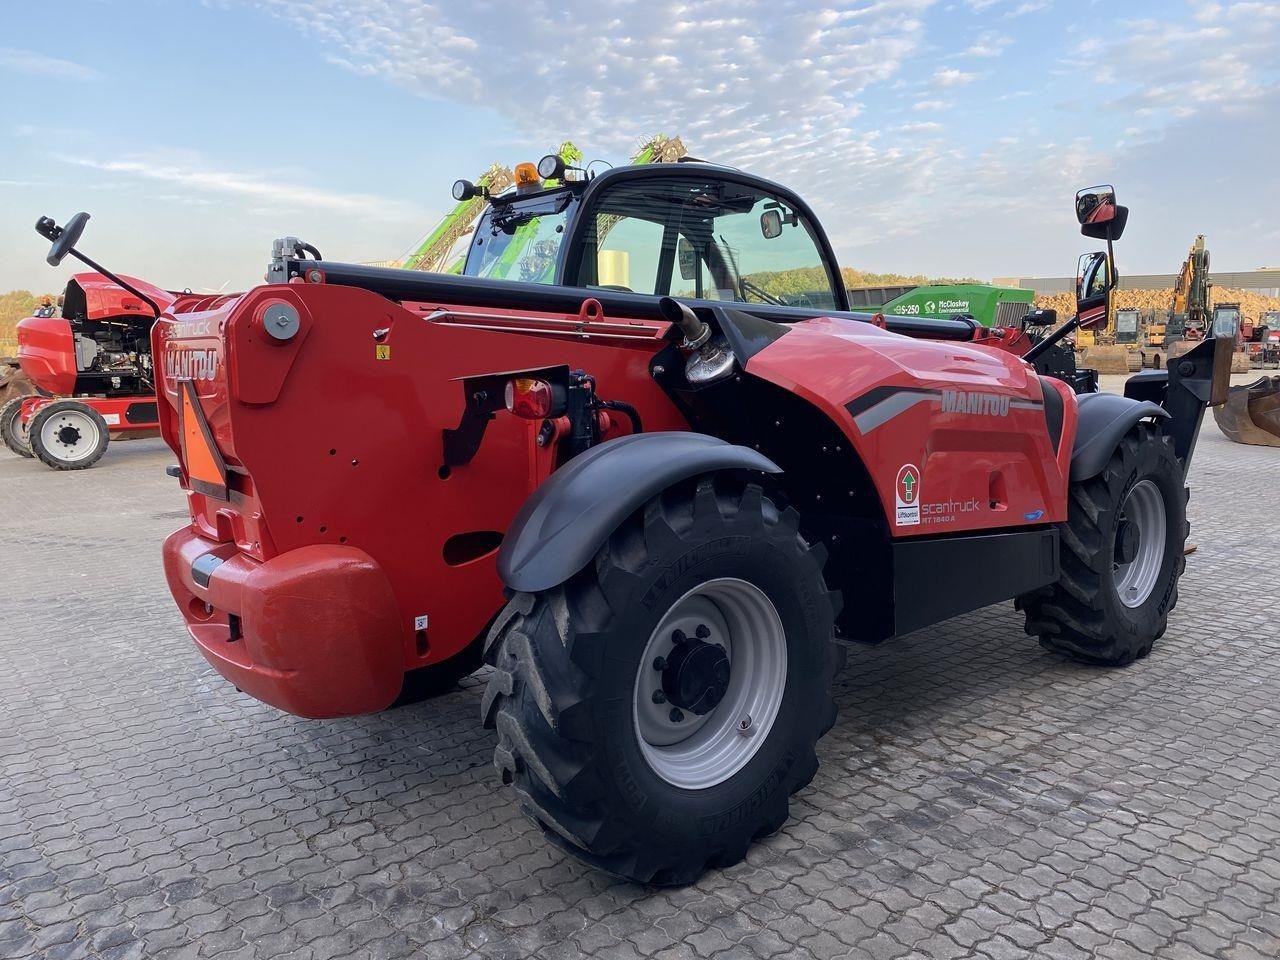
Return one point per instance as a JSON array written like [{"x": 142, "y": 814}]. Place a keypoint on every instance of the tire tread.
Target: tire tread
[
  {"x": 539, "y": 693},
  {"x": 1070, "y": 616}
]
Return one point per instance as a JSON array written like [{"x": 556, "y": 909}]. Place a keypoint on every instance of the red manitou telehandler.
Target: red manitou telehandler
[
  {"x": 91, "y": 366},
  {"x": 691, "y": 490}
]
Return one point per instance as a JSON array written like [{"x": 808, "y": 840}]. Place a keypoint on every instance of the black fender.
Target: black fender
[
  {"x": 567, "y": 519},
  {"x": 1103, "y": 419}
]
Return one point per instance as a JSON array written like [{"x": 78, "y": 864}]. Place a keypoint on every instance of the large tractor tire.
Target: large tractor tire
[
  {"x": 1122, "y": 555},
  {"x": 656, "y": 712},
  {"x": 12, "y": 432},
  {"x": 68, "y": 435}
]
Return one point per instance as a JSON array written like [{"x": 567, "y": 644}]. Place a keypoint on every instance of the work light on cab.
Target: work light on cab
[
  {"x": 551, "y": 167},
  {"x": 465, "y": 190},
  {"x": 530, "y": 398}
]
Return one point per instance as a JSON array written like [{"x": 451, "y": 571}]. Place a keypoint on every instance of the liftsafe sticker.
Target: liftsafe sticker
[{"x": 907, "y": 494}]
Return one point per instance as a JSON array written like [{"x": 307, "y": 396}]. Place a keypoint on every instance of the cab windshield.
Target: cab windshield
[
  {"x": 706, "y": 239},
  {"x": 1226, "y": 323},
  {"x": 520, "y": 240}
]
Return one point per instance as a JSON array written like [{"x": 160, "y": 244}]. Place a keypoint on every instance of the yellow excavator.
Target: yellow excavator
[{"x": 1188, "y": 321}]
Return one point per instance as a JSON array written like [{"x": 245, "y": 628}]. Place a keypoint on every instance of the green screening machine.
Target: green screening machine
[{"x": 990, "y": 306}]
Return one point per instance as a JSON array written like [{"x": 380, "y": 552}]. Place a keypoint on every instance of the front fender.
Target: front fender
[
  {"x": 567, "y": 519},
  {"x": 1103, "y": 419}
]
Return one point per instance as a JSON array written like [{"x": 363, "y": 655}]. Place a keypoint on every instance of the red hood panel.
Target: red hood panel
[{"x": 966, "y": 424}]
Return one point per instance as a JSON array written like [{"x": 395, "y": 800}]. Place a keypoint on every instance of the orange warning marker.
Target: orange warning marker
[{"x": 206, "y": 470}]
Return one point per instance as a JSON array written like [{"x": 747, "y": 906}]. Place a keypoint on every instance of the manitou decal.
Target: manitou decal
[
  {"x": 971, "y": 401},
  {"x": 879, "y": 405},
  {"x": 190, "y": 363},
  {"x": 907, "y": 495}
]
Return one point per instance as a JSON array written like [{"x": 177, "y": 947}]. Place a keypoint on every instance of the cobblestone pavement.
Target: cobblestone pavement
[{"x": 977, "y": 798}]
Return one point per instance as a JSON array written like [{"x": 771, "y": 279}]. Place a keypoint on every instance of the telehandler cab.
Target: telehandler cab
[{"x": 692, "y": 489}]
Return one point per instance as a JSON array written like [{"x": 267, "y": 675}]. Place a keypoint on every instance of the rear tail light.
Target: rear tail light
[{"x": 529, "y": 398}]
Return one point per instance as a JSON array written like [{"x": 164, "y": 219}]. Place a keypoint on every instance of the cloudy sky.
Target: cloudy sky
[{"x": 933, "y": 137}]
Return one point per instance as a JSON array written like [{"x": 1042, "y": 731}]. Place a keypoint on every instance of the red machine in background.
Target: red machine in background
[{"x": 92, "y": 369}]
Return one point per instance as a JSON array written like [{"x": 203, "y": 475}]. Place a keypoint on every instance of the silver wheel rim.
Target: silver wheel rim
[
  {"x": 1144, "y": 508},
  {"x": 70, "y": 435},
  {"x": 701, "y": 751}
]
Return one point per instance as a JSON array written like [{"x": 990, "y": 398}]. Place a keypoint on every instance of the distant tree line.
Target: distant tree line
[
  {"x": 784, "y": 283},
  {"x": 14, "y": 305}
]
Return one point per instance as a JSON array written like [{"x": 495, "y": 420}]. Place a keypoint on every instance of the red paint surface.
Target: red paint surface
[
  {"x": 105, "y": 299},
  {"x": 47, "y": 353},
  {"x": 113, "y": 409},
  {"x": 328, "y": 446},
  {"x": 962, "y": 457},
  {"x": 341, "y": 512}
]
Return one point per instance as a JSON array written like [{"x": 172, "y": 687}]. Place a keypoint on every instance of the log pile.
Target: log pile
[{"x": 1252, "y": 304}]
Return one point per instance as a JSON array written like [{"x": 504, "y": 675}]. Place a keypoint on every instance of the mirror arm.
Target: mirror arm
[
  {"x": 1113, "y": 276},
  {"x": 116, "y": 280}
]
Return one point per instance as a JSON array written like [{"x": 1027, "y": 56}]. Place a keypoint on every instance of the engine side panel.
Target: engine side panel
[
  {"x": 955, "y": 437},
  {"x": 47, "y": 353}
]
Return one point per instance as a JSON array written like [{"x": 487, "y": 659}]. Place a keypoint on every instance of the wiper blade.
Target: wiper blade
[{"x": 749, "y": 287}]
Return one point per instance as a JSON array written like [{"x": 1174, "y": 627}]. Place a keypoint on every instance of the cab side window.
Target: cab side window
[{"x": 629, "y": 251}]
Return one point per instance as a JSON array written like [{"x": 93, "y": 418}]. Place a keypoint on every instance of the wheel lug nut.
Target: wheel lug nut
[
  {"x": 676, "y": 714},
  {"x": 659, "y": 696},
  {"x": 678, "y": 637},
  {"x": 659, "y": 664},
  {"x": 703, "y": 631}
]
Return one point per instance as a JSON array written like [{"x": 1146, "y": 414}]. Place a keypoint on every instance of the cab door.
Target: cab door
[{"x": 703, "y": 237}]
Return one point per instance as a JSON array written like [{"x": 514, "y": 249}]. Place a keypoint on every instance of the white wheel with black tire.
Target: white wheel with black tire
[
  {"x": 68, "y": 435},
  {"x": 12, "y": 431},
  {"x": 656, "y": 712}
]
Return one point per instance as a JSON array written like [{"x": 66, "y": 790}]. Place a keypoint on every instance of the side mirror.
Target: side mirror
[
  {"x": 1098, "y": 214},
  {"x": 1096, "y": 204},
  {"x": 688, "y": 259},
  {"x": 63, "y": 238},
  {"x": 771, "y": 224},
  {"x": 1093, "y": 290}
]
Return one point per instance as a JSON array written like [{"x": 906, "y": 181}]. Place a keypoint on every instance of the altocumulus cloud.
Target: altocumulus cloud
[
  {"x": 799, "y": 94},
  {"x": 35, "y": 64},
  {"x": 756, "y": 84},
  {"x": 744, "y": 80}
]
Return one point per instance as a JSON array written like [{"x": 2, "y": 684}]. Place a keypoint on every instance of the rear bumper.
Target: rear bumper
[{"x": 315, "y": 631}]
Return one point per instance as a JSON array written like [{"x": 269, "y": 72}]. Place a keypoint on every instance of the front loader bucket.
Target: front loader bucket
[
  {"x": 1252, "y": 413},
  {"x": 1110, "y": 358}
]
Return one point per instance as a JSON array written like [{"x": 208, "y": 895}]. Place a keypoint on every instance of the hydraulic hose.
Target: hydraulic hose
[{"x": 632, "y": 413}]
